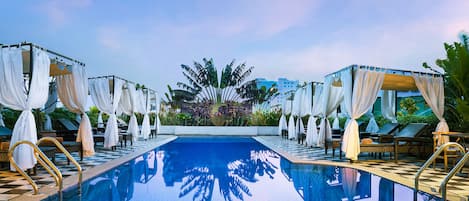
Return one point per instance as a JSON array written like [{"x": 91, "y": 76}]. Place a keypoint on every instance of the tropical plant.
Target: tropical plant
[
  {"x": 204, "y": 85},
  {"x": 265, "y": 118},
  {"x": 408, "y": 105},
  {"x": 175, "y": 97},
  {"x": 251, "y": 93},
  {"x": 456, "y": 74}
]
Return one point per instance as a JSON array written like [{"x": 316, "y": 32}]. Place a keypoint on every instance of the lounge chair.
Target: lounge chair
[
  {"x": 5, "y": 133},
  {"x": 70, "y": 146},
  {"x": 67, "y": 129},
  {"x": 386, "y": 129},
  {"x": 408, "y": 138}
]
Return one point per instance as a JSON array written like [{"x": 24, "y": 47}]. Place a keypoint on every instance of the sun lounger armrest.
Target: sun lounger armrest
[
  {"x": 385, "y": 138},
  {"x": 378, "y": 134},
  {"x": 412, "y": 139}
]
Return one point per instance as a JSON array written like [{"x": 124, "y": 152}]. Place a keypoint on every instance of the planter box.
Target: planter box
[{"x": 220, "y": 130}]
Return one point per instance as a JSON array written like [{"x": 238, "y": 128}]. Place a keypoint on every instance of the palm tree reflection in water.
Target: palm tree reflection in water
[{"x": 231, "y": 169}]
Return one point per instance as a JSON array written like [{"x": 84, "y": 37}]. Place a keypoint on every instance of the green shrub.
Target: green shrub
[
  {"x": 10, "y": 117},
  {"x": 265, "y": 118}
]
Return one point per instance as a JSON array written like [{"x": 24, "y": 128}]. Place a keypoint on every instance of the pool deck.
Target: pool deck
[
  {"x": 14, "y": 187},
  {"x": 401, "y": 172}
]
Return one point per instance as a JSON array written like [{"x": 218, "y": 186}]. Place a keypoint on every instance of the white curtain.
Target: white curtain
[
  {"x": 372, "y": 126},
  {"x": 50, "y": 106},
  {"x": 157, "y": 113},
  {"x": 73, "y": 93},
  {"x": 306, "y": 107},
  {"x": 100, "y": 120},
  {"x": 291, "y": 127},
  {"x": 2, "y": 124},
  {"x": 107, "y": 102},
  {"x": 336, "y": 122},
  {"x": 128, "y": 106},
  {"x": 388, "y": 105},
  {"x": 433, "y": 92},
  {"x": 282, "y": 124},
  {"x": 144, "y": 108},
  {"x": 300, "y": 128},
  {"x": 13, "y": 94},
  {"x": 312, "y": 132},
  {"x": 331, "y": 98},
  {"x": 296, "y": 112},
  {"x": 366, "y": 85},
  {"x": 307, "y": 100}
]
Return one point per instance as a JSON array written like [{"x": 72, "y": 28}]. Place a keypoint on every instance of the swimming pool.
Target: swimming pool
[{"x": 233, "y": 168}]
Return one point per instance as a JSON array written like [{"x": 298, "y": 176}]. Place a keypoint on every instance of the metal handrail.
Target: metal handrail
[
  {"x": 68, "y": 155},
  {"x": 42, "y": 159},
  {"x": 451, "y": 173},
  {"x": 430, "y": 161}
]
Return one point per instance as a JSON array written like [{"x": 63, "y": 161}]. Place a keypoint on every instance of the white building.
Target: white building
[{"x": 285, "y": 88}]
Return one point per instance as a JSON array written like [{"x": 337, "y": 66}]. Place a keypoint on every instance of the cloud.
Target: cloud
[
  {"x": 110, "y": 37},
  {"x": 404, "y": 46},
  {"x": 58, "y": 11},
  {"x": 262, "y": 18}
]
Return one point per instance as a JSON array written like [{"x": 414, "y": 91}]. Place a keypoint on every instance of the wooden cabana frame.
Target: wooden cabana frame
[
  {"x": 112, "y": 79},
  {"x": 394, "y": 79},
  {"x": 147, "y": 91},
  {"x": 60, "y": 64}
]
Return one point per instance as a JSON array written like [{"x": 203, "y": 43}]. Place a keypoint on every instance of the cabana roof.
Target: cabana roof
[
  {"x": 394, "y": 79},
  {"x": 60, "y": 64}
]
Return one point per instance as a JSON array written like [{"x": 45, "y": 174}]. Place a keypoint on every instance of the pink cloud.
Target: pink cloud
[
  {"x": 58, "y": 11},
  {"x": 404, "y": 46}
]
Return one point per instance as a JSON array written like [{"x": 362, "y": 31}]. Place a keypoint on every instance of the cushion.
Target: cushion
[{"x": 366, "y": 141}]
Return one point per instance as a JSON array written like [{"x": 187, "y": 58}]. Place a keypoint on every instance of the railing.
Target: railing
[
  {"x": 47, "y": 164},
  {"x": 451, "y": 173},
  {"x": 42, "y": 159},
  {"x": 431, "y": 160},
  {"x": 69, "y": 157}
]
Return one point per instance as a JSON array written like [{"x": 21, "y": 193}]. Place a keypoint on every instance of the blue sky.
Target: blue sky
[{"x": 146, "y": 41}]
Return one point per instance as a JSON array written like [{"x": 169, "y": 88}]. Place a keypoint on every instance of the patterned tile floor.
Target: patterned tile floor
[
  {"x": 13, "y": 185},
  {"x": 402, "y": 172}
]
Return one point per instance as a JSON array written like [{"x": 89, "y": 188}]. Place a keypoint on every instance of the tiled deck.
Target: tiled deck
[
  {"x": 402, "y": 172},
  {"x": 14, "y": 187}
]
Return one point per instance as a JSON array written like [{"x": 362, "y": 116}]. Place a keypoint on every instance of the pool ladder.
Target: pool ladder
[
  {"x": 451, "y": 173},
  {"x": 48, "y": 165}
]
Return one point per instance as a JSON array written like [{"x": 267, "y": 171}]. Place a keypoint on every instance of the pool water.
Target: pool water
[{"x": 224, "y": 168}]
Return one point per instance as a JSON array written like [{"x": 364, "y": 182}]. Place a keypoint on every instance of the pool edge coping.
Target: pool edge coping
[{"x": 403, "y": 181}]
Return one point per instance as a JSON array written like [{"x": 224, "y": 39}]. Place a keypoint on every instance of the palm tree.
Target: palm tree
[
  {"x": 203, "y": 81},
  {"x": 456, "y": 73}
]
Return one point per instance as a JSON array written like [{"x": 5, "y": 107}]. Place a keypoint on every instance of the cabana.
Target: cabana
[
  {"x": 25, "y": 72},
  {"x": 315, "y": 111},
  {"x": 125, "y": 97},
  {"x": 360, "y": 86},
  {"x": 305, "y": 103}
]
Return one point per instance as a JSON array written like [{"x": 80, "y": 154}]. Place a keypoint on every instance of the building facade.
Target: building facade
[{"x": 285, "y": 88}]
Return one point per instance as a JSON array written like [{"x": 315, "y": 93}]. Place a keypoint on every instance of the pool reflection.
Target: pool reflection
[
  {"x": 194, "y": 169},
  {"x": 232, "y": 169}
]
